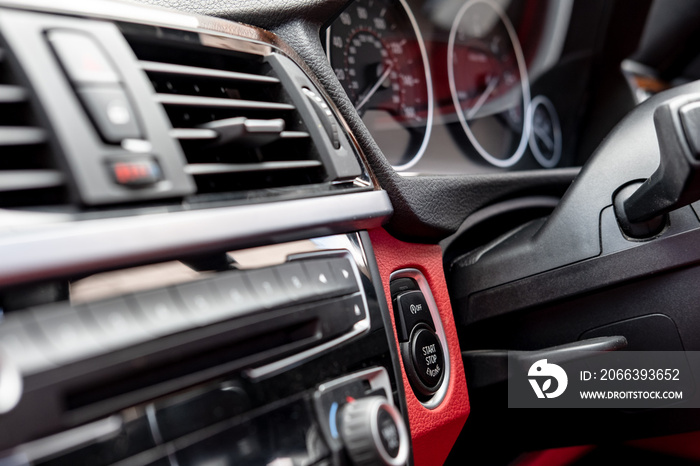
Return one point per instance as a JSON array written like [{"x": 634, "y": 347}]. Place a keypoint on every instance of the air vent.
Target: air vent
[
  {"x": 28, "y": 174},
  {"x": 237, "y": 126}
]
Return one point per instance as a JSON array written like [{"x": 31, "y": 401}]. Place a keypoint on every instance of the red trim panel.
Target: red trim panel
[
  {"x": 685, "y": 445},
  {"x": 553, "y": 457},
  {"x": 435, "y": 431}
]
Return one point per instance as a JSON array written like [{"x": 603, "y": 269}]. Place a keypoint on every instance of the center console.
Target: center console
[{"x": 272, "y": 355}]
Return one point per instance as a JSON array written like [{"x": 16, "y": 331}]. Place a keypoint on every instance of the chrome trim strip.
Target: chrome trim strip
[
  {"x": 79, "y": 246},
  {"x": 418, "y": 276}
]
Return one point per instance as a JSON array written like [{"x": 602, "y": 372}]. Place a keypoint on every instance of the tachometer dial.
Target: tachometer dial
[
  {"x": 488, "y": 81},
  {"x": 377, "y": 53}
]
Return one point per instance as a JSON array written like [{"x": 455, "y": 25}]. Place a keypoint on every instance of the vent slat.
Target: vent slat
[
  {"x": 205, "y": 134},
  {"x": 214, "y": 102},
  {"x": 168, "y": 68},
  {"x": 21, "y": 136},
  {"x": 294, "y": 135},
  {"x": 12, "y": 94},
  {"x": 193, "y": 134},
  {"x": 220, "y": 168},
  {"x": 22, "y": 180}
]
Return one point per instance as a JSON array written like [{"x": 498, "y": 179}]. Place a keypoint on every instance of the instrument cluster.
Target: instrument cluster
[{"x": 450, "y": 86}]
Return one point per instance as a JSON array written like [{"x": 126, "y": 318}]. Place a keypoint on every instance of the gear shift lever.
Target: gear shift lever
[{"x": 642, "y": 212}]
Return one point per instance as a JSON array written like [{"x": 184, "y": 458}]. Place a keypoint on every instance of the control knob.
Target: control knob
[{"x": 374, "y": 432}]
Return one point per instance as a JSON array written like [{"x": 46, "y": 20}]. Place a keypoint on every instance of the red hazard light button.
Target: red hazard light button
[{"x": 136, "y": 172}]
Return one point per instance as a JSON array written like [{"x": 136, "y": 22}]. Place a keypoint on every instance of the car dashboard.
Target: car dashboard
[{"x": 230, "y": 233}]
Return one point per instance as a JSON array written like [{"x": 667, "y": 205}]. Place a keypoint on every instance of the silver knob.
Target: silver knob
[
  {"x": 10, "y": 384},
  {"x": 374, "y": 432}
]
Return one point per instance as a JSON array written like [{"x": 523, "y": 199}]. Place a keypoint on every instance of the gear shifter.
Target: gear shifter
[{"x": 642, "y": 209}]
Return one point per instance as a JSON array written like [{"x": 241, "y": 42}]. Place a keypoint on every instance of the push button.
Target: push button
[
  {"x": 401, "y": 285},
  {"x": 202, "y": 300},
  {"x": 235, "y": 295},
  {"x": 413, "y": 310},
  {"x": 295, "y": 281},
  {"x": 427, "y": 357},
  {"x": 20, "y": 347},
  {"x": 111, "y": 112},
  {"x": 159, "y": 313},
  {"x": 268, "y": 288},
  {"x": 67, "y": 336},
  {"x": 82, "y": 58},
  {"x": 321, "y": 277},
  {"x": 114, "y": 323},
  {"x": 344, "y": 276},
  {"x": 135, "y": 173}
]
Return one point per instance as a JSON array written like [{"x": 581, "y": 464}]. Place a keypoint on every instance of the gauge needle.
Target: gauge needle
[
  {"x": 374, "y": 88},
  {"x": 493, "y": 82},
  {"x": 542, "y": 134}
]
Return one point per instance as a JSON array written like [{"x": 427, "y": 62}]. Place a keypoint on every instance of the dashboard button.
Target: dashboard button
[
  {"x": 111, "y": 112},
  {"x": 268, "y": 288},
  {"x": 114, "y": 323},
  {"x": 400, "y": 285},
  {"x": 427, "y": 357},
  {"x": 236, "y": 297},
  {"x": 82, "y": 58},
  {"x": 159, "y": 313},
  {"x": 203, "y": 301},
  {"x": 295, "y": 281},
  {"x": 136, "y": 172},
  {"x": 68, "y": 338},
  {"x": 321, "y": 277},
  {"x": 344, "y": 276},
  {"x": 355, "y": 308},
  {"x": 19, "y": 345},
  {"x": 347, "y": 312},
  {"x": 412, "y": 310}
]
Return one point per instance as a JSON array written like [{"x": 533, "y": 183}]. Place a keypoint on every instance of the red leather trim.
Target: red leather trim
[
  {"x": 435, "y": 431},
  {"x": 553, "y": 457}
]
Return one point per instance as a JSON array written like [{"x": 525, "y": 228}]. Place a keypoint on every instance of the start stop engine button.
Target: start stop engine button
[{"x": 427, "y": 356}]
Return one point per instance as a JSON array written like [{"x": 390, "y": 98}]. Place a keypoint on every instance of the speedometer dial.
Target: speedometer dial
[
  {"x": 488, "y": 81},
  {"x": 379, "y": 57}
]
